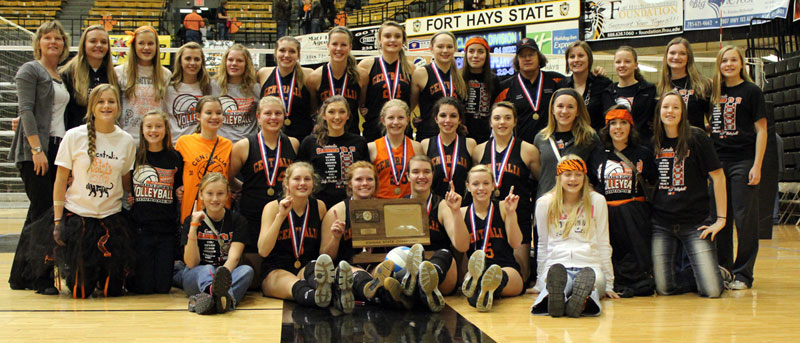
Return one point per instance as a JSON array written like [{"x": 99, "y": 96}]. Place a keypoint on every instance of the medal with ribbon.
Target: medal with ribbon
[
  {"x": 330, "y": 82},
  {"x": 297, "y": 248},
  {"x": 271, "y": 176},
  {"x": 486, "y": 229},
  {"x": 539, "y": 86},
  {"x": 498, "y": 173},
  {"x": 286, "y": 102},
  {"x": 388, "y": 80},
  {"x": 447, "y": 175},
  {"x": 395, "y": 176},
  {"x": 441, "y": 83}
]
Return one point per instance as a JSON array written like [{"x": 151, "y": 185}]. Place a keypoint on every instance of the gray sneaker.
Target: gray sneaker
[{"x": 738, "y": 286}]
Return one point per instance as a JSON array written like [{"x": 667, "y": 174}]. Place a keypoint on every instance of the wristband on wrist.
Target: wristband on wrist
[
  {"x": 721, "y": 217},
  {"x": 194, "y": 224}
]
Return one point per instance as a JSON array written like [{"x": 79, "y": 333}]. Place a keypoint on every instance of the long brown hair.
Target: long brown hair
[
  {"x": 405, "y": 66},
  {"x": 458, "y": 81},
  {"x": 448, "y": 100},
  {"x": 298, "y": 69},
  {"x": 78, "y": 67},
  {"x": 166, "y": 142},
  {"x": 132, "y": 67},
  {"x": 199, "y": 109},
  {"x": 321, "y": 128},
  {"x": 487, "y": 74},
  {"x": 718, "y": 81},
  {"x": 699, "y": 83},
  {"x": 352, "y": 66},
  {"x": 89, "y": 118},
  {"x": 581, "y": 129},
  {"x": 684, "y": 129},
  {"x": 202, "y": 76},
  {"x": 248, "y": 77}
]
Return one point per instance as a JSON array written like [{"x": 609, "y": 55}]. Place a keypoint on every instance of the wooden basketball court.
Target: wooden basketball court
[{"x": 767, "y": 313}]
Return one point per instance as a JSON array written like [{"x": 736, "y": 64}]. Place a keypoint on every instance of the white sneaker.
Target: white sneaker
[{"x": 738, "y": 285}]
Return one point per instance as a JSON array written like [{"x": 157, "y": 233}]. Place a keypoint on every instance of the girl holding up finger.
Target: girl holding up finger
[{"x": 494, "y": 234}]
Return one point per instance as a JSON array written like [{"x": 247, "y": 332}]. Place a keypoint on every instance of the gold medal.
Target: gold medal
[
  {"x": 536, "y": 116},
  {"x": 496, "y": 193},
  {"x": 270, "y": 191},
  {"x": 297, "y": 264},
  {"x": 287, "y": 122},
  {"x": 397, "y": 190}
]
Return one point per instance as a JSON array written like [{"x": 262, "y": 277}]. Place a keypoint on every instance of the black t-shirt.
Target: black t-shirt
[
  {"x": 732, "y": 122},
  {"x": 641, "y": 100},
  {"x": 428, "y": 96},
  {"x": 74, "y": 113},
  {"x": 155, "y": 208},
  {"x": 300, "y": 118},
  {"x": 232, "y": 228},
  {"x": 563, "y": 140},
  {"x": 681, "y": 195},
  {"x": 517, "y": 175},
  {"x": 697, "y": 107},
  {"x": 478, "y": 105},
  {"x": 441, "y": 186},
  {"x": 378, "y": 95},
  {"x": 282, "y": 254},
  {"x": 616, "y": 180},
  {"x": 625, "y": 95},
  {"x": 351, "y": 93},
  {"x": 530, "y": 121},
  {"x": 596, "y": 96},
  {"x": 498, "y": 250},
  {"x": 331, "y": 162}
]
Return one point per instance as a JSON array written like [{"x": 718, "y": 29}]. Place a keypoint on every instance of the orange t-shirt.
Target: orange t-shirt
[
  {"x": 195, "y": 151},
  {"x": 193, "y": 21},
  {"x": 386, "y": 184}
]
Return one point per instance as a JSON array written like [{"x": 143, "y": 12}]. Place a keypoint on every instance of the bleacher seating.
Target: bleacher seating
[
  {"x": 128, "y": 15},
  {"x": 30, "y": 14},
  {"x": 255, "y": 16},
  {"x": 782, "y": 92}
]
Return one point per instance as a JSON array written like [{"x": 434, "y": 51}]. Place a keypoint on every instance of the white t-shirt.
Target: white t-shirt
[
  {"x": 96, "y": 191},
  {"x": 180, "y": 106},
  {"x": 239, "y": 110},
  {"x": 60, "y": 101},
  {"x": 130, "y": 118}
]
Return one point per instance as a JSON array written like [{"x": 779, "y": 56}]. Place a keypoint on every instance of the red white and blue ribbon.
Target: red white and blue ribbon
[
  {"x": 534, "y": 106},
  {"x": 330, "y": 81},
  {"x": 488, "y": 227},
  {"x": 443, "y": 157},
  {"x": 298, "y": 247},
  {"x": 439, "y": 79},
  {"x": 395, "y": 176},
  {"x": 287, "y": 102},
  {"x": 271, "y": 176},
  {"x": 388, "y": 80},
  {"x": 498, "y": 173}
]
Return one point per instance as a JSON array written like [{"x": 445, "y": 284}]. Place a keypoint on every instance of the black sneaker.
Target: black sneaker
[
  {"x": 220, "y": 287},
  {"x": 382, "y": 271},
  {"x": 475, "y": 267},
  {"x": 202, "y": 303},
  {"x": 414, "y": 258},
  {"x": 489, "y": 283},
  {"x": 582, "y": 286},
  {"x": 429, "y": 286},
  {"x": 556, "y": 282},
  {"x": 323, "y": 276},
  {"x": 344, "y": 288}
]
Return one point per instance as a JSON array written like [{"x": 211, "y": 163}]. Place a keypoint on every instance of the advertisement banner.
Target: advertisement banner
[
  {"x": 615, "y": 19},
  {"x": 706, "y": 14},
  {"x": 313, "y": 41},
  {"x": 496, "y": 17},
  {"x": 500, "y": 42},
  {"x": 364, "y": 38},
  {"x": 796, "y": 11},
  {"x": 121, "y": 41},
  {"x": 553, "y": 40}
]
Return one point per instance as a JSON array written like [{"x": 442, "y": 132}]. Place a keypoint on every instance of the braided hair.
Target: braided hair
[{"x": 94, "y": 98}]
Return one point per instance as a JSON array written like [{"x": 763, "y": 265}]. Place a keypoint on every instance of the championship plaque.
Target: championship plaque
[{"x": 388, "y": 222}]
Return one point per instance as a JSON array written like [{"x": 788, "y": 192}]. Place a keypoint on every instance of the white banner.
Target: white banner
[
  {"x": 615, "y": 19},
  {"x": 706, "y": 14},
  {"x": 496, "y": 17},
  {"x": 316, "y": 42}
]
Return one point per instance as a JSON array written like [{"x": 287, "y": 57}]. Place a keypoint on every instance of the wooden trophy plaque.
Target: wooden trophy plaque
[{"x": 378, "y": 223}]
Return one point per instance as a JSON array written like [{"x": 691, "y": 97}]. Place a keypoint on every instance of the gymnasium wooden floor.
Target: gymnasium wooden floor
[{"x": 767, "y": 313}]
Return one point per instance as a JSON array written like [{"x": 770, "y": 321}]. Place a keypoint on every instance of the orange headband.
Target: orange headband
[
  {"x": 571, "y": 165},
  {"x": 140, "y": 30},
  {"x": 619, "y": 114},
  {"x": 477, "y": 40}
]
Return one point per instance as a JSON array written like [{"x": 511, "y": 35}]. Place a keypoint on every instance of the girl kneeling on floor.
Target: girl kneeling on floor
[
  {"x": 213, "y": 241},
  {"x": 574, "y": 249}
]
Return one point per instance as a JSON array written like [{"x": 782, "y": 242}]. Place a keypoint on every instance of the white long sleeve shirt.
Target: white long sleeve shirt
[{"x": 574, "y": 251}]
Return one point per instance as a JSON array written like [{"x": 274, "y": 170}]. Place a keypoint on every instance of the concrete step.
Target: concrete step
[{"x": 11, "y": 185}]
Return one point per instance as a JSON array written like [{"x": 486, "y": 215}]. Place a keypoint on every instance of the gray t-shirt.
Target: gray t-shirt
[
  {"x": 565, "y": 143},
  {"x": 239, "y": 110},
  {"x": 130, "y": 119},
  {"x": 179, "y": 104}
]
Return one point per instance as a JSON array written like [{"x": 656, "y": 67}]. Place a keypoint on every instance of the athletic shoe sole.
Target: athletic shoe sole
[
  {"x": 475, "y": 267},
  {"x": 323, "y": 275},
  {"x": 556, "y": 282},
  {"x": 344, "y": 282},
  {"x": 396, "y": 291},
  {"x": 220, "y": 286},
  {"x": 202, "y": 303},
  {"x": 491, "y": 280},
  {"x": 382, "y": 271},
  {"x": 582, "y": 287},
  {"x": 413, "y": 260},
  {"x": 429, "y": 285}
]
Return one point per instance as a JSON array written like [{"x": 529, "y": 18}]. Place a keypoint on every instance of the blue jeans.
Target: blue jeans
[
  {"x": 702, "y": 255},
  {"x": 742, "y": 210},
  {"x": 222, "y": 31},
  {"x": 194, "y": 36},
  {"x": 283, "y": 27},
  {"x": 592, "y": 305},
  {"x": 198, "y": 279}
]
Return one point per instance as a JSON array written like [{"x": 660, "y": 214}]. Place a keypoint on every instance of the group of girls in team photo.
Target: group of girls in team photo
[{"x": 573, "y": 187}]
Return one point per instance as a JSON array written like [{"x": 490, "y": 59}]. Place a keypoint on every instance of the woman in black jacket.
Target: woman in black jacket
[{"x": 634, "y": 92}]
